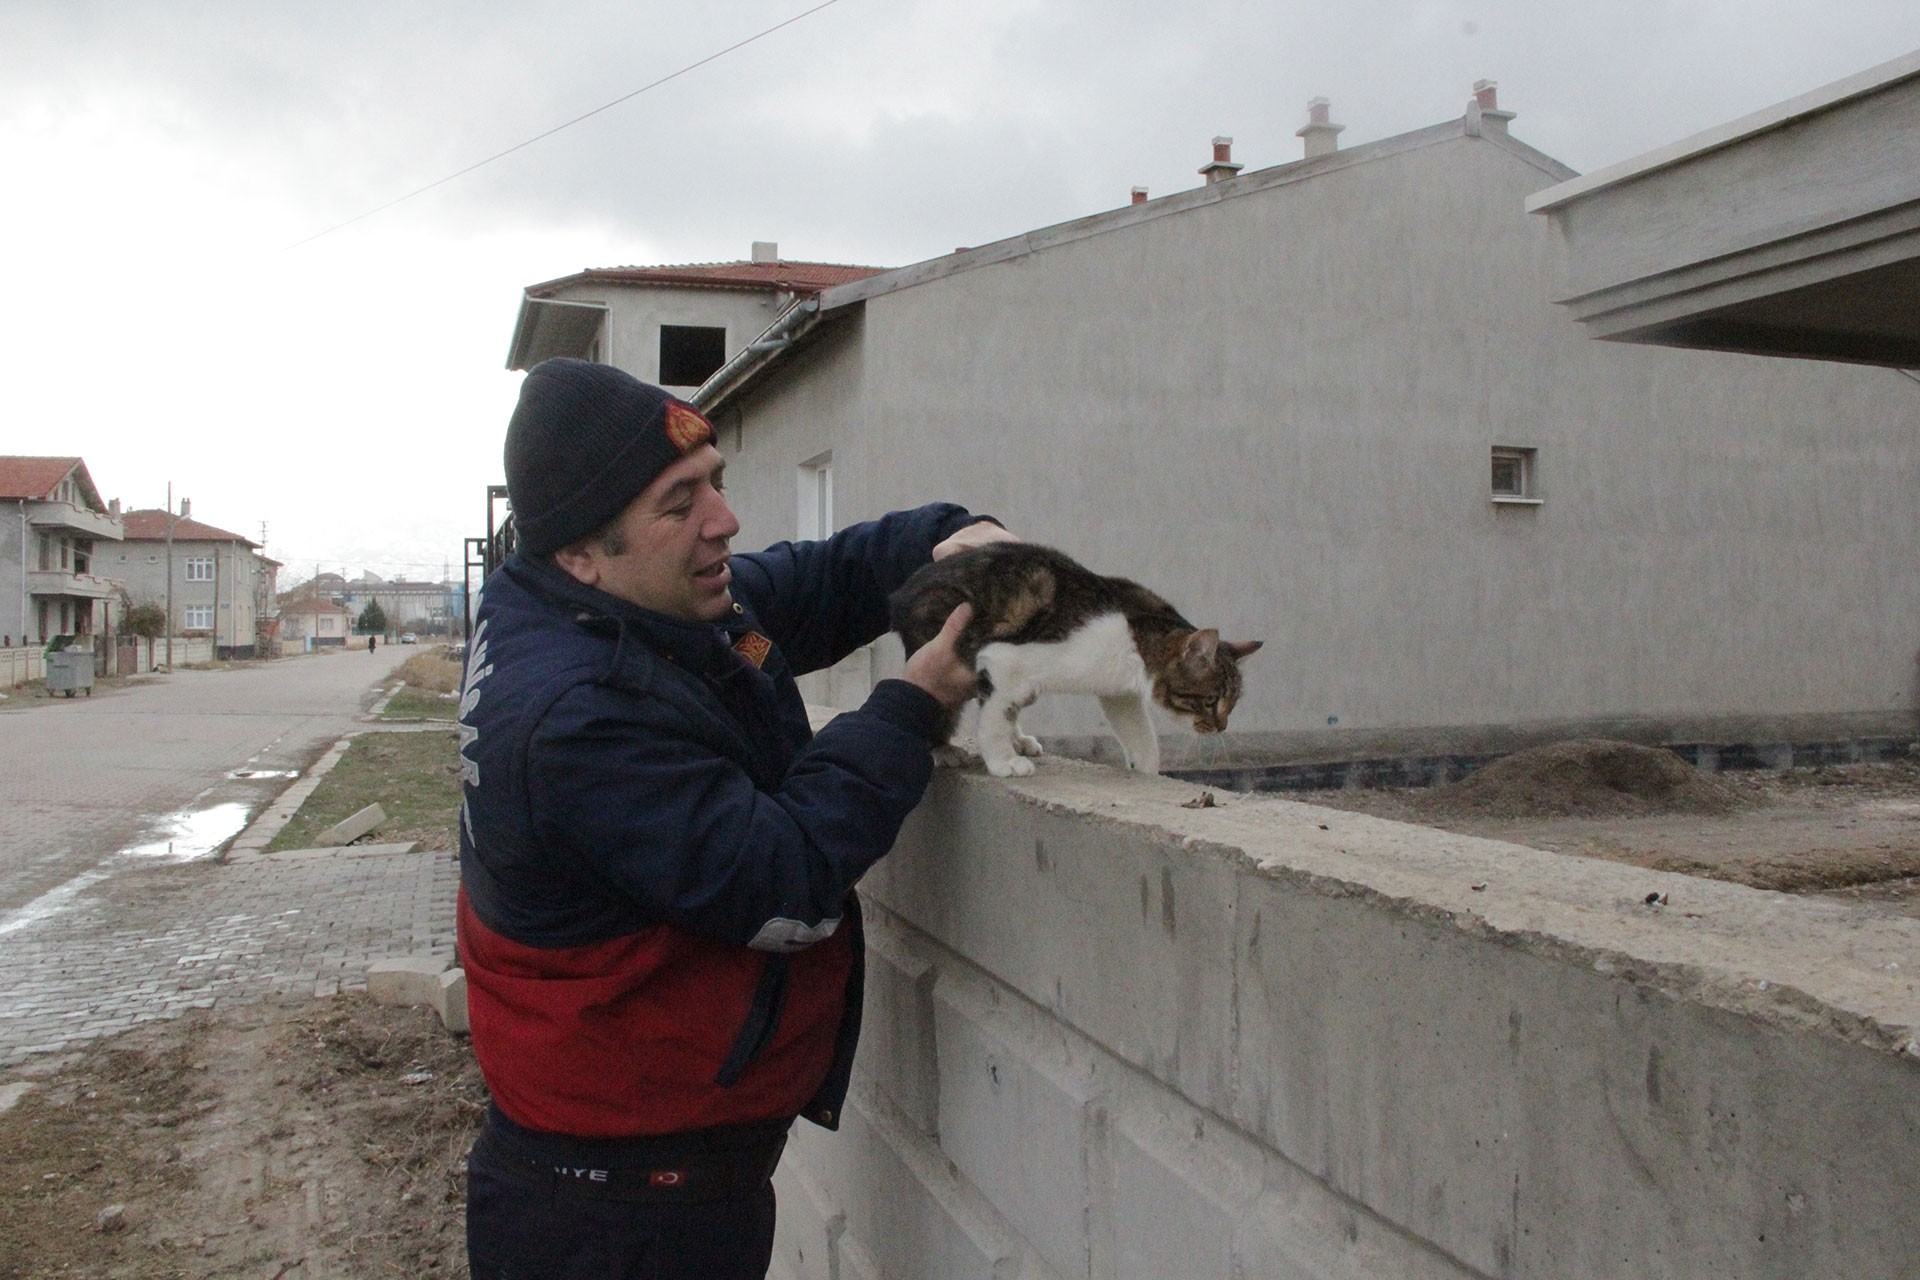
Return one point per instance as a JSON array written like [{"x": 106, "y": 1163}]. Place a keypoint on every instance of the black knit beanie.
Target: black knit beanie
[{"x": 584, "y": 440}]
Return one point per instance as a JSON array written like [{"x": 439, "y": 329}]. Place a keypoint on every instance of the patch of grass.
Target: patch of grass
[
  {"x": 415, "y": 777},
  {"x": 432, "y": 671},
  {"x": 418, "y": 704}
]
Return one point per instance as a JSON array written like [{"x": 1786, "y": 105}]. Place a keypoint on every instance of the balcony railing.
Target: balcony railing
[
  {"x": 64, "y": 517},
  {"x": 62, "y": 582}
]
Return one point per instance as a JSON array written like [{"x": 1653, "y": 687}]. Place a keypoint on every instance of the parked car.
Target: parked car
[{"x": 407, "y": 637}]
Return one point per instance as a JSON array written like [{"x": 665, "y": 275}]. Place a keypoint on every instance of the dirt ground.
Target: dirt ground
[
  {"x": 267, "y": 1142},
  {"x": 1848, "y": 831}
]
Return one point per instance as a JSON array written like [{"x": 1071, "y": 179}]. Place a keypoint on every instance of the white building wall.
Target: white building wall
[
  {"x": 630, "y": 336},
  {"x": 1278, "y": 410},
  {"x": 16, "y": 542}
]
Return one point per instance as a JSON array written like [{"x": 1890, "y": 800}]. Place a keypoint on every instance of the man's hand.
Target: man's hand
[
  {"x": 936, "y": 668},
  {"x": 974, "y": 535}
]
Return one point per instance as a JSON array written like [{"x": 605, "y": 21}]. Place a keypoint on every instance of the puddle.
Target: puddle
[
  {"x": 256, "y": 775},
  {"x": 186, "y": 837},
  {"x": 182, "y": 837}
]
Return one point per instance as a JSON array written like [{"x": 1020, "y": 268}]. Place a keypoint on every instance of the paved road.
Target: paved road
[{"x": 112, "y": 910}]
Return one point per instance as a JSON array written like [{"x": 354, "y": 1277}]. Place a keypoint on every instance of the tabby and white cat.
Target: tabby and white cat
[{"x": 1042, "y": 623}]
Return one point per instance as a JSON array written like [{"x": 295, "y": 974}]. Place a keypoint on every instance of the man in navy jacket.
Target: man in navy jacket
[{"x": 656, "y": 917}]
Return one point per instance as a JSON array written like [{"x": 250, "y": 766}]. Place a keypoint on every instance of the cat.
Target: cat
[{"x": 1042, "y": 623}]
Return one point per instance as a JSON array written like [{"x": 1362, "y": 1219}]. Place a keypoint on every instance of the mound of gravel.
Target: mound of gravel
[{"x": 1589, "y": 777}]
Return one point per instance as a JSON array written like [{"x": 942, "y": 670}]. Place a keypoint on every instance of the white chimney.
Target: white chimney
[
  {"x": 1322, "y": 136},
  {"x": 1223, "y": 166},
  {"x": 766, "y": 251}
]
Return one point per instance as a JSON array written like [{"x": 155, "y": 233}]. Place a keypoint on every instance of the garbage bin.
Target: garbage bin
[{"x": 70, "y": 669}]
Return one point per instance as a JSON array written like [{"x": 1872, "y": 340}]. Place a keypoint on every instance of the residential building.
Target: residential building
[
  {"x": 669, "y": 325},
  {"x": 309, "y": 620},
  {"x": 1330, "y": 404},
  {"x": 55, "y": 532},
  {"x": 220, "y": 585}
]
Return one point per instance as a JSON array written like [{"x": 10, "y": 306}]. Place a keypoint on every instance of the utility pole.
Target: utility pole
[{"x": 169, "y": 576}]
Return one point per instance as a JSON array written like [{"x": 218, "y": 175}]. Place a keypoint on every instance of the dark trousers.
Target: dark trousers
[{"x": 698, "y": 1207}]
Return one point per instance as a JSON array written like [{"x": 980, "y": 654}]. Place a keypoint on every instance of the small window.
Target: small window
[
  {"x": 198, "y": 617},
  {"x": 816, "y": 498},
  {"x": 690, "y": 354},
  {"x": 199, "y": 568},
  {"x": 1513, "y": 475}
]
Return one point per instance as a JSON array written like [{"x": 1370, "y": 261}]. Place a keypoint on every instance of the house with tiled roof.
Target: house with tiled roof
[
  {"x": 670, "y": 325},
  {"x": 216, "y": 583},
  {"x": 54, "y": 529}
]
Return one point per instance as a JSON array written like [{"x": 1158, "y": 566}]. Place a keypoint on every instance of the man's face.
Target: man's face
[{"x": 673, "y": 536}]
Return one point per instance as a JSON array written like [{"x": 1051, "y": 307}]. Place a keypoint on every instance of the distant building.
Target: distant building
[
  {"x": 674, "y": 325},
  {"x": 52, "y": 527},
  {"x": 221, "y": 586},
  {"x": 309, "y": 620},
  {"x": 429, "y": 607}
]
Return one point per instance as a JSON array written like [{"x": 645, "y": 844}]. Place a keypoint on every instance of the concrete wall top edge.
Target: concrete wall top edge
[{"x": 1794, "y": 962}]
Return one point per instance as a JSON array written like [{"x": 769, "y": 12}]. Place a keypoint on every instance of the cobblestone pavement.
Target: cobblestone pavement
[{"x": 98, "y": 932}]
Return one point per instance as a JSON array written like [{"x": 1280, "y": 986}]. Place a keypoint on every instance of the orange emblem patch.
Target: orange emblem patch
[
  {"x": 686, "y": 428},
  {"x": 754, "y": 647}
]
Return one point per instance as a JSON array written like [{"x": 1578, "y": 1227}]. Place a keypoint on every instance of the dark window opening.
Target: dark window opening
[{"x": 689, "y": 354}]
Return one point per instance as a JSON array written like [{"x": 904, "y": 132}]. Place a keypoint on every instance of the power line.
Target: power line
[{"x": 461, "y": 173}]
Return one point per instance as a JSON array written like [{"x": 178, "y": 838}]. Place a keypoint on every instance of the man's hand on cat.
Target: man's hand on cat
[
  {"x": 935, "y": 666},
  {"x": 974, "y": 535}
]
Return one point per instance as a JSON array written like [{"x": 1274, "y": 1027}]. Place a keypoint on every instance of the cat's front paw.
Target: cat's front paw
[
  {"x": 1018, "y": 767},
  {"x": 1028, "y": 745},
  {"x": 951, "y": 757}
]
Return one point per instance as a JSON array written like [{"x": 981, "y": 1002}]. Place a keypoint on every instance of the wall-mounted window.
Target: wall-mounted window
[
  {"x": 816, "y": 498},
  {"x": 1515, "y": 475},
  {"x": 690, "y": 354},
  {"x": 197, "y": 617},
  {"x": 199, "y": 568}
]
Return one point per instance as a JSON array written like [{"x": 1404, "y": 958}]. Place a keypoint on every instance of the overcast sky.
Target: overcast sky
[{"x": 163, "y": 161}]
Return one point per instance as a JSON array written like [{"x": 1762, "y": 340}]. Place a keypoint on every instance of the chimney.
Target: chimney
[
  {"x": 1485, "y": 107},
  {"x": 1223, "y": 166},
  {"x": 1139, "y": 195},
  {"x": 766, "y": 251},
  {"x": 1323, "y": 137}
]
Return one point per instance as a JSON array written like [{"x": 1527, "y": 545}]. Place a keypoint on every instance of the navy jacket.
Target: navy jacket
[{"x": 657, "y": 854}]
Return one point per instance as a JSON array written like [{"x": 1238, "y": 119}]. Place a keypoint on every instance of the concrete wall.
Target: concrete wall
[
  {"x": 1110, "y": 1036},
  {"x": 1278, "y": 409}
]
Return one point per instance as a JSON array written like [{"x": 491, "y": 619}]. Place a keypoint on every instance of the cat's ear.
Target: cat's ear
[
  {"x": 1241, "y": 649},
  {"x": 1201, "y": 646}
]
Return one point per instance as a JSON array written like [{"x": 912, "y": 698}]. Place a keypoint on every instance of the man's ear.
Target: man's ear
[{"x": 581, "y": 560}]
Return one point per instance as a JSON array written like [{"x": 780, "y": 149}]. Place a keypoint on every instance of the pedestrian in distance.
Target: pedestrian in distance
[{"x": 657, "y": 921}]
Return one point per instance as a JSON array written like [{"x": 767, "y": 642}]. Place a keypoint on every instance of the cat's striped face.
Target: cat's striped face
[
  {"x": 1203, "y": 683},
  {"x": 1207, "y": 703}
]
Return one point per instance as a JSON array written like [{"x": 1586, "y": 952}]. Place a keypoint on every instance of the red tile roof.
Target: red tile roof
[
  {"x": 150, "y": 525},
  {"x": 791, "y": 277},
  {"x": 33, "y": 477}
]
